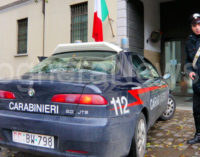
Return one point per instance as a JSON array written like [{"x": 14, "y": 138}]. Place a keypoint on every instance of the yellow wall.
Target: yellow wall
[
  {"x": 154, "y": 57},
  {"x": 57, "y": 30},
  {"x": 58, "y": 20},
  {"x": 10, "y": 65}
]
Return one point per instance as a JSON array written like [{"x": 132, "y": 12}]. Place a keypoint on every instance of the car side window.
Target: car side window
[
  {"x": 141, "y": 70},
  {"x": 152, "y": 69}
]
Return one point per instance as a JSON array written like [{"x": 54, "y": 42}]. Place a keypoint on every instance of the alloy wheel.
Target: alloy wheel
[
  {"x": 170, "y": 108},
  {"x": 141, "y": 138}
]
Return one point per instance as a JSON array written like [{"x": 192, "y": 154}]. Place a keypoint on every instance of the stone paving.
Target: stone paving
[
  {"x": 168, "y": 138},
  {"x": 165, "y": 139}
]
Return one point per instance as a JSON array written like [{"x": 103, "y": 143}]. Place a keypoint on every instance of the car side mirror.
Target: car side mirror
[{"x": 167, "y": 76}]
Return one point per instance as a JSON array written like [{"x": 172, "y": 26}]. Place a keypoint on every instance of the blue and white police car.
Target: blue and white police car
[{"x": 87, "y": 99}]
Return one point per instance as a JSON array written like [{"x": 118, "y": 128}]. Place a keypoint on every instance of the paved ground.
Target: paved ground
[
  {"x": 168, "y": 138},
  {"x": 165, "y": 139},
  {"x": 184, "y": 102}
]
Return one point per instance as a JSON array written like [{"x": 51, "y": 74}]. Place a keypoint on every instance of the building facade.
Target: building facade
[
  {"x": 156, "y": 29},
  {"x": 32, "y": 28}
]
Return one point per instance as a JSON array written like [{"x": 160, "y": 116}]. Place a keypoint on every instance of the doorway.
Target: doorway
[
  {"x": 175, "y": 27},
  {"x": 174, "y": 56}
]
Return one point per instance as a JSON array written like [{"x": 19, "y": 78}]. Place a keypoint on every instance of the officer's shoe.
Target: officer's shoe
[{"x": 196, "y": 139}]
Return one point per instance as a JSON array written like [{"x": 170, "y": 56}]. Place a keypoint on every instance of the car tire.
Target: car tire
[
  {"x": 171, "y": 108},
  {"x": 138, "y": 146}
]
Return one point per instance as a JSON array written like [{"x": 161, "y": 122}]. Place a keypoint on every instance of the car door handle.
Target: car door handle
[{"x": 139, "y": 87}]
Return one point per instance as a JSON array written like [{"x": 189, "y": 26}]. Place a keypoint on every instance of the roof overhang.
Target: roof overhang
[{"x": 89, "y": 46}]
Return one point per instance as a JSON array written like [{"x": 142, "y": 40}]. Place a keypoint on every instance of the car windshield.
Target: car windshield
[{"x": 96, "y": 62}]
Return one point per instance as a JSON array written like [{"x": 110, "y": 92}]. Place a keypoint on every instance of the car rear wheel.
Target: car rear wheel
[
  {"x": 138, "y": 147},
  {"x": 171, "y": 108}
]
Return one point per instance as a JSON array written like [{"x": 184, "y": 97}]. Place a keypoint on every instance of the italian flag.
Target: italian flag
[{"x": 100, "y": 15}]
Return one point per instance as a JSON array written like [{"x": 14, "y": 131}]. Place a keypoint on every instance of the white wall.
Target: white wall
[{"x": 151, "y": 23}]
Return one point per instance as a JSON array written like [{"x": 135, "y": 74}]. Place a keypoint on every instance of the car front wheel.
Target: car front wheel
[
  {"x": 171, "y": 108},
  {"x": 138, "y": 147}
]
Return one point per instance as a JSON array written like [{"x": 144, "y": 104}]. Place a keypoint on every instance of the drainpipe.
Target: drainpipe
[
  {"x": 41, "y": 58},
  {"x": 43, "y": 11}
]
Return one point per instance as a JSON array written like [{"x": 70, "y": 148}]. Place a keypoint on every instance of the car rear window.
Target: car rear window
[{"x": 96, "y": 62}]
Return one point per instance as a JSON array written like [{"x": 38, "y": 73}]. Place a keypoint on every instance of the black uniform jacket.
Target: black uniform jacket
[{"x": 192, "y": 46}]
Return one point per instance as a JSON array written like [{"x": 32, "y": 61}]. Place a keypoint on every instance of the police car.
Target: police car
[{"x": 87, "y": 99}]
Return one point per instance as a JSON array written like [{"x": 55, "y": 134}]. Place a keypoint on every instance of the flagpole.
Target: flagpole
[{"x": 109, "y": 19}]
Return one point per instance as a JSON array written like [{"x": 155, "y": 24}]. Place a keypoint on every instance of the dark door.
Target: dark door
[{"x": 175, "y": 27}]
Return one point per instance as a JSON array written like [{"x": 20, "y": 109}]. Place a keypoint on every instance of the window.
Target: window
[
  {"x": 22, "y": 36},
  {"x": 141, "y": 70},
  {"x": 137, "y": 62},
  {"x": 79, "y": 22},
  {"x": 96, "y": 62},
  {"x": 152, "y": 69}
]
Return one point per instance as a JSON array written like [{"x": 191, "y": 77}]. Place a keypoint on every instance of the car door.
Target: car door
[
  {"x": 162, "y": 91},
  {"x": 150, "y": 86}
]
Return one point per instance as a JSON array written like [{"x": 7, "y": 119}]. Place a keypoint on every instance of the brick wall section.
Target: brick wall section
[{"x": 135, "y": 24}]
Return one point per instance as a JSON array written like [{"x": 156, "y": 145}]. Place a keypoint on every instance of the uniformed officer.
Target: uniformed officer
[{"x": 192, "y": 46}]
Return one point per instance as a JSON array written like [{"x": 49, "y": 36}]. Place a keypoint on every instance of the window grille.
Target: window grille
[
  {"x": 79, "y": 22},
  {"x": 22, "y": 36}
]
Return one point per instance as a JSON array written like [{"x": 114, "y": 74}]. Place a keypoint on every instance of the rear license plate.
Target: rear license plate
[{"x": 33, "y": 139}]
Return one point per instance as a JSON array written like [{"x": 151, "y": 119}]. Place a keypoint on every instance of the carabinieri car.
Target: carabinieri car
[{"x": 87, "y": 99}]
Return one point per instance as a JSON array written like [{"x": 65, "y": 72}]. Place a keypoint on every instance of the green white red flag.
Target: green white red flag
[{"x": 100, "y": 15}]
